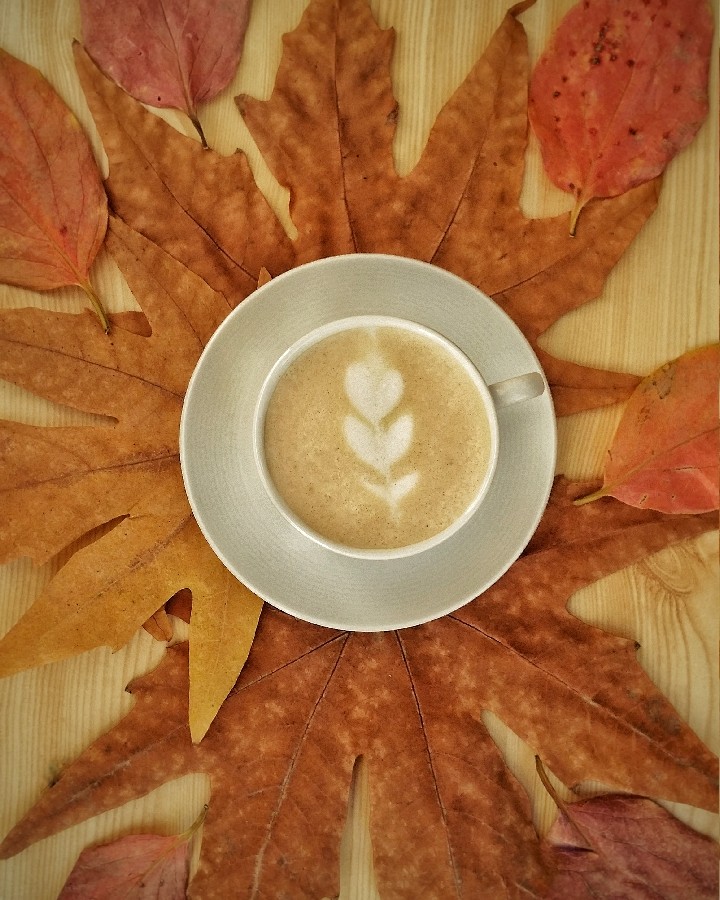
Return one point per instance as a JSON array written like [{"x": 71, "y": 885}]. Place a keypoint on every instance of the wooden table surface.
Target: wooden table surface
[{"x": 661, "y": 300}]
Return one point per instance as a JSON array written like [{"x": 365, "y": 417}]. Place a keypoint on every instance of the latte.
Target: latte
[{"x": 377, "y": 437}]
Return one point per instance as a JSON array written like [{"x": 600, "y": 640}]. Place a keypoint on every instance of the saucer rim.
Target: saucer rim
[{"x": 311, "y": 549}]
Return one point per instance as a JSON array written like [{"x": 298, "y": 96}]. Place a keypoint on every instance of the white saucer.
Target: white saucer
[{"x": 241, "y": 523}]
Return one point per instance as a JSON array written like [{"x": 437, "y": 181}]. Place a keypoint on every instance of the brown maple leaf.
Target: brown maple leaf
[
  {"x": 327, "y": 133},
  {"x": 60, "y": 483},
  {"x": 309, "y": 700},
  {"x": 203, "y": 209},
  {"x": 191, "y": 234}
]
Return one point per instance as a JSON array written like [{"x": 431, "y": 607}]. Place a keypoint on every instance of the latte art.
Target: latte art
[
  {"x": 377, "y": 437},
  {"x": 375, "y": 391}
]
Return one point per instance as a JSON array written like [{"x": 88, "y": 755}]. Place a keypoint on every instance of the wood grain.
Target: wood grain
[{"x": 661, "y": 300}]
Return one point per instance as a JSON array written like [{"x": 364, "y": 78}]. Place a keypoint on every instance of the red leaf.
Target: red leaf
[
  {"x": 665, "y": 451},
  {"x": 620, "y": 90},
  {"x": 53, "y": 209},
  {"x": 136, "y": 867},
  {"x": 638, "y": 851},
  {"x": 167, "y": 53}
]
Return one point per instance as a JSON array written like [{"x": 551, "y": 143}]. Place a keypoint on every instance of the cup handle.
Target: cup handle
[{"x": 517, "y": 389}]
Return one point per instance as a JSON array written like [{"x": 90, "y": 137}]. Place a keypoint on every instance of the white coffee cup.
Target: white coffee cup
[{"x": 379, "y": 447}]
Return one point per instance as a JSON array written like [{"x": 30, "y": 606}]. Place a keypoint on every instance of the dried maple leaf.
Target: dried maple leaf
[
  {"x": 666, "y": 449},
  {"x": 327, "y": 133},
  {"x": 159, "y": 625},
  {"x": 281, "y": 751},
  {"x": 53, "y": 209},
  {"x": 620, "y": 90},
  {"x": 171, "y": 53},
  {"x": 60, "y": 483},
  {"x": 197, "y": 234},
  {"x": 203, "y": 209},
  {"x": 623, "y": 846},
  {"x": 135, "y": 867}
]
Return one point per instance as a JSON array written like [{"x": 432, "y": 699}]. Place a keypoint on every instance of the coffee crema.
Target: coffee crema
[{"x": 377, "y": 437}]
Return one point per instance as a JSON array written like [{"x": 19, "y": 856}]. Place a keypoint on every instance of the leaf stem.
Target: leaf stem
[
  {"x": 96, "y": 305},
  {"x": 589, "y": 498},
  {"x": 198, "y": 127},
  {"x": 575, "y": 214},
  {"x": 520, "y": 7},
  {"x": 559, "y": 802},
  {"x": 547, "y": 784},
  {"x": 186, "y": 835}
]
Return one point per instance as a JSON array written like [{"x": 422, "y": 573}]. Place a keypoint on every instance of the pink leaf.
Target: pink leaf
[
  {"x": 620, "y": 90},
  {"x": 136, "y": 867},
  {"x": 637, "y": 850},
  {"x": 167, "y": 53}
]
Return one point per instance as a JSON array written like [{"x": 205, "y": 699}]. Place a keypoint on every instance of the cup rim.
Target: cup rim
[{"x": 337, "y": 326}]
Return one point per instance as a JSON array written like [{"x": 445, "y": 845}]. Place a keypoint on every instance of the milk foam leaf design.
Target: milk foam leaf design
[
  {"x": 402, "y": 486},
  {"x": 379, "y": 448},
  {"x": 399, "y": 437},
  {"x": 394, "y": 491},
  {"x": 373, "y": 389},
  {"x": 363, "y": 441}
]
